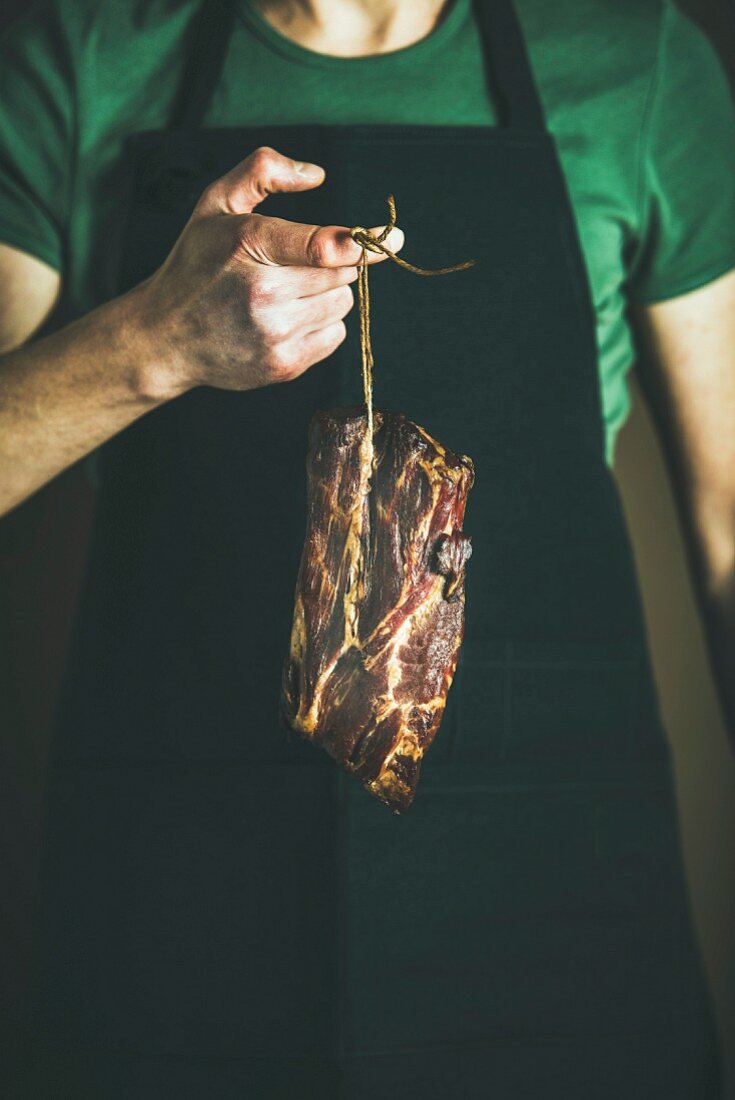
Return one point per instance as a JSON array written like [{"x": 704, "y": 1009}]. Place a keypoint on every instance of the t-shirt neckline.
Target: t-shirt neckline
[{"x": 293, "y": 51}]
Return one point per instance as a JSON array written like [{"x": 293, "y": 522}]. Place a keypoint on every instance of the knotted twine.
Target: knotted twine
[{"x": 372, "y": 243}]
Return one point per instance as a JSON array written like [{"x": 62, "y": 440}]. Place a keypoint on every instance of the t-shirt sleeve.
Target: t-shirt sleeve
[
  {"x": 37, "y": 127},
  {"x": 686, "y": 186}
]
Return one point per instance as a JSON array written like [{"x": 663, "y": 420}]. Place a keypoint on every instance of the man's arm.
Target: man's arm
[
  {"x": 241, "y": 301},
  {"x": 61, "y": 396},
  {"x": 29, "y": 290},
  {"x": 688, "y": 373}
]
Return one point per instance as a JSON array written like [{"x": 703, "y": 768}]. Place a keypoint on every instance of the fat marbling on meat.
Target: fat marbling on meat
[{"x": 379, "y": 605}]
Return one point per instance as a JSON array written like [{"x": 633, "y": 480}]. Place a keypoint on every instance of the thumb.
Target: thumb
[{"x": 253, "y": 179}]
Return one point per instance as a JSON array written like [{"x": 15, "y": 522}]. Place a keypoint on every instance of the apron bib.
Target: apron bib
[{"x": 225, "y": 913}]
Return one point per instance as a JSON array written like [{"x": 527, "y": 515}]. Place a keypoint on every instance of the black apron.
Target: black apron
[{"x": 225, "y": 913}]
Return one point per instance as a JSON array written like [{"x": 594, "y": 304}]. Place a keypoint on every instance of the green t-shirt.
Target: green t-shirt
[{"x": 633, "y": 93}]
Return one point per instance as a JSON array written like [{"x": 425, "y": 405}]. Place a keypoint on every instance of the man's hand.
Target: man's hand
[
  {"x": 245, "y": 300},
  {"x": 242, "y": 301}
]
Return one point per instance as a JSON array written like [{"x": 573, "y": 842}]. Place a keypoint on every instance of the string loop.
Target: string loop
[{"x": 370, "y": 242}]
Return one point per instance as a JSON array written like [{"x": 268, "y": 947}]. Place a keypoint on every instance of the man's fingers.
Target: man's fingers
[
  {"x": 276, "y": 241},
  {"x": 321, "y": 310},
  {"x": 305, "y": 350},
  {"x": 285, "y": 243},
  {"x": 333, "y": 246},
  {"x": 282, "y": 321},
  {"x": 283, "y": 284},
  {"x": 261, "y": 174}
]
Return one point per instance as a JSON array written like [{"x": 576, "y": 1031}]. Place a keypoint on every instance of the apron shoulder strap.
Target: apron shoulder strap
[
  {"x": 206, "y": 46},
  {"x": 506, "y": 59},
  {"x": 507, "y": 65}
]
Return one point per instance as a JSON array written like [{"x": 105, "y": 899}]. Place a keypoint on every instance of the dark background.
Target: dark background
[{"x": 42, "y": 546}]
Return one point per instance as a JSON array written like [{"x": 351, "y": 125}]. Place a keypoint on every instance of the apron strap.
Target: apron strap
[
  {"x": 506, "y": 61},
  {"x": 508, "y": 69},
  {"x": 206, "y": 46}
]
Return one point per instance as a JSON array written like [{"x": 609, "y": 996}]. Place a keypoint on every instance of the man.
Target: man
[{"x": 223, "y": 913}]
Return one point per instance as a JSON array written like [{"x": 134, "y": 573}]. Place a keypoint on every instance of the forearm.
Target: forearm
[
  {"x": 64, "y": 395},
  {"x": 688, "y": 375},
  {"x": 707, "y": 510},
  {"x": 716, "y": 590}
]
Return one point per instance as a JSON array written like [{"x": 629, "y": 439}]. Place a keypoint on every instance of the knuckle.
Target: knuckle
[
  {"x": 279, "y": 325},
  {"x": 262, "y": 158},
  {"x": 319, "y": 250},
  {"x": 272, "y": 325},
  {"x": 280, "y": 364},
  {"x": 211, "y": 194},
  {"x": 271, "y": 330},
  {"x": 261, "y": 292},
  {"x": 245, "y": 236}
]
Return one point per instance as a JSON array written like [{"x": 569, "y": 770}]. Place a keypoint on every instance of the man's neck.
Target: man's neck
[{"x": 353, "y": 28}]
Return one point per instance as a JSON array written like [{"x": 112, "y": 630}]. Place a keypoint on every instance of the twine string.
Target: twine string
[{"x": 370, "y": 242}]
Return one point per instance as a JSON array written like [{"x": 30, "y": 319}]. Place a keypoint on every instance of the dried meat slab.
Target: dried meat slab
[{"x": 379, "y": 607}]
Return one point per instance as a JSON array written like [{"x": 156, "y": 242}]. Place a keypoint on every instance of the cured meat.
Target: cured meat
[{"x": 379, "y": 607}]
